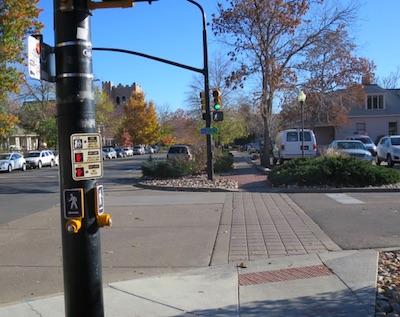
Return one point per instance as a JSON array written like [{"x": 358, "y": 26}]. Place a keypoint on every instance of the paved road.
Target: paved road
[
  {"x": 355, "y": 220},
  {"x": 24, "y": 193}
]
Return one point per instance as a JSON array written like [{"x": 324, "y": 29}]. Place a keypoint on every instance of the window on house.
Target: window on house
[
  {"x": 360, "y": 127},
  {"x": 393, "y": 128},
  {"x": 375, "y": 102}
]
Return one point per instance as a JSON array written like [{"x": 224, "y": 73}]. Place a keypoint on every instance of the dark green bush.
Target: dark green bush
[
  {"x": 223, "y": 162},
  {"x": 332, "y": 171},
  {"x": 165, "y": 169}
]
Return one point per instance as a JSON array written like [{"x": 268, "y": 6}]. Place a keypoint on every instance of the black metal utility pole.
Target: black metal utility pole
[
  {"x": 209, "y": 143},
  {"x": 83, "y": 291}
]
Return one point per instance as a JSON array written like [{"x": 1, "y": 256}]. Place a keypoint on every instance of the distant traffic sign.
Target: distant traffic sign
[{"x": 209, "y": 131}]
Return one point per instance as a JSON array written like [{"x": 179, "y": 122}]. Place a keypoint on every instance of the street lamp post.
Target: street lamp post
[{"x": 301, "y": 98}]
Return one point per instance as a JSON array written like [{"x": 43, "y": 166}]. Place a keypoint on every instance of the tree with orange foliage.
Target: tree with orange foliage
[
  {"x": 184, "y": 128},
  {"x": 17, "y": 19},
  {"x": 6, "y": 124},
  {"x": 267, "y": 39}
]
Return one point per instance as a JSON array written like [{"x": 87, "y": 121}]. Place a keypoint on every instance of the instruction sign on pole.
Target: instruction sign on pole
[{"x": 87, "y": 160}]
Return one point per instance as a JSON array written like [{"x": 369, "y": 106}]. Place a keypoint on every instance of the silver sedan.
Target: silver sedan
[{"x": 12, "y": 161}]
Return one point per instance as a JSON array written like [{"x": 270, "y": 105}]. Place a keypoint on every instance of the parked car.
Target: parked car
[
  {"x": 179, "y": 151},
  {"x": 120, "y": 152},
  {"x": 351, "y": 148},
  {"x": 110, "y": 153},
  {"x": 128, "y": 151},
  {"x": 149, "y": 150},
  {"x": 378, "y": 138},
  {"x": 12, "y": 161},
  {"x": 245, "y": 147},
  {"x": 40, "y": 158},
  {"x": 369, "y": 144},
  {"x": 253, "y": 148},
  {"x": 388, "y": 150},
  {"x": 288, "y": 145},
  {"x": 138, "y": 150}
]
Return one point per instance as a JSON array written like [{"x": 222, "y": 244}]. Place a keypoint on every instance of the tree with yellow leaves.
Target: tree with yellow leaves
[
  {"x": 139, "y": 121},
  {"x": 17, "y": 19}
]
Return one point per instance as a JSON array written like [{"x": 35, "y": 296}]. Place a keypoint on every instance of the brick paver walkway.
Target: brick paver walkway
[
  {"x": 268, "y": 225},
  {"x": 264, "y": 224}
]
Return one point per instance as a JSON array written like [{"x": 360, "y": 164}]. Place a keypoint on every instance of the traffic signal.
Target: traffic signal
[
  {"x": 218, "y": 116},
  {"x": 203, "y": 101},
  {"x": 217, "y": 99}
]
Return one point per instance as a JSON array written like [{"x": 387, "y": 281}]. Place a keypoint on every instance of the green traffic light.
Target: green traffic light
[{"x": 217, "y": 107}]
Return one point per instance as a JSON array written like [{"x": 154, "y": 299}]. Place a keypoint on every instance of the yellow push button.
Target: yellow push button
[
  {"x": 73, "y": 225},
  {"x": 104, "y": 220}
]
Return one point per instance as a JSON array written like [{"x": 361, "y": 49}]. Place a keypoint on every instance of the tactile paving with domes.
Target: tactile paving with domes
[{"x": 283, "y": 275}]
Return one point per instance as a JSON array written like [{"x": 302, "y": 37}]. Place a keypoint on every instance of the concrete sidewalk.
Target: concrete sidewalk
[
  {"x": 319, "y": 285},
  {"x": 246, "y": 253}
]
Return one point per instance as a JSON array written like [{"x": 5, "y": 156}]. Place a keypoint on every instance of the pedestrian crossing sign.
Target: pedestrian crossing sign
[{"x": 73, "y": 203}]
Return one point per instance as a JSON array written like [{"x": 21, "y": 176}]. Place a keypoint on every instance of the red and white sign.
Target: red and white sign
[{"x": 34, "y": 57}]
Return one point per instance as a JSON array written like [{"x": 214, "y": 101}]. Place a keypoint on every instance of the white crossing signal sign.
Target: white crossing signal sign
[{"x": 218, "y": 116}]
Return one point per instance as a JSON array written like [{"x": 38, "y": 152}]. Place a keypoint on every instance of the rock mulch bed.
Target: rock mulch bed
[{"x": 388, "y": 285}]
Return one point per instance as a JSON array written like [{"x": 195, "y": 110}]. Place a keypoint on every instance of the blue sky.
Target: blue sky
[{"x": 172, "y": 30}]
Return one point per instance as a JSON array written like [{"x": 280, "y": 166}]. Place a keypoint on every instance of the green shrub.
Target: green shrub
[
  {"x": 223, "y": 162},
  {"x": 182, "y": 167},
  {"x": 332, "y": 171},
  {"x": 199, "y": 162},
  {"x": 166, "y": 169}
]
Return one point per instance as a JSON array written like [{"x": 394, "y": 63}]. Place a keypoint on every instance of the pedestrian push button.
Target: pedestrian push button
[{"x": 73, "y": 225}]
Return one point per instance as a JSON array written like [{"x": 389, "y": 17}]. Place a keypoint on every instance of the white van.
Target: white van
[{"x": 288, "y": 145}]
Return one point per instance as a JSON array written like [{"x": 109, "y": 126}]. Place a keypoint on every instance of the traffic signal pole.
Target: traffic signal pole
[
  {"x": 82, "y": 268},
  {"x": 210, "y": 166},
  {"x": 209, "y": 143}
]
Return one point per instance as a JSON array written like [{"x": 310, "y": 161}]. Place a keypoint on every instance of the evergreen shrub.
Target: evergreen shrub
[
  {"x": 167, "y": 169},
  {"x": 332, "y": 171}
]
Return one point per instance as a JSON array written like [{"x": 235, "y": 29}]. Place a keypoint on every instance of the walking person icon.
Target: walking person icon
[
  {"x": 73, "y": 203},
  {"x": 73, "y": 200}
]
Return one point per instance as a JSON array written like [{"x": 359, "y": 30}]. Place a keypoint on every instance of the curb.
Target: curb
[{"x": 184, "y": 189}]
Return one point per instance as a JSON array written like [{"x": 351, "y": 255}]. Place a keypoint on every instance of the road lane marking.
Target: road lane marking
[{"x": 345, "y": 199}]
